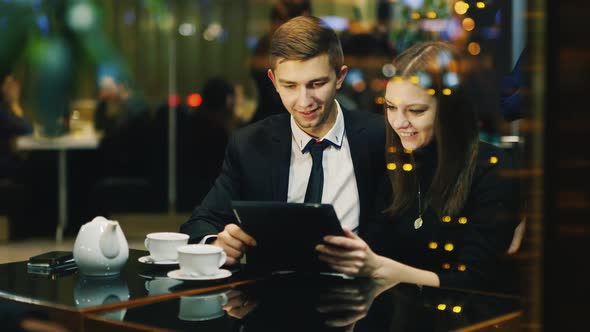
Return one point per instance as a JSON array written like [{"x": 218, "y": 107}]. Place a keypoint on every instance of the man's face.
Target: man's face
[{"x": 307, "y": 90}]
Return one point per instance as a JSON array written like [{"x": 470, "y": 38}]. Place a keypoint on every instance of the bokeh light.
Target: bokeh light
[
  {"x": 81, "y": 16},
  {"x": 187, "y": 29},
  {"x": 461, "y": 7},
  {"x": 194, "y": 100},
  {"x": 473, "y": 48},
  {"x": 468, "y": 24}
]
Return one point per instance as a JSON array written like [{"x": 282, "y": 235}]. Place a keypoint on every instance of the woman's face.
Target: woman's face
[{"x": 410, "y": 112}]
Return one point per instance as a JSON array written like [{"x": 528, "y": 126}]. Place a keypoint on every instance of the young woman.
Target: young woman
[{"x": 451, "y": 212}]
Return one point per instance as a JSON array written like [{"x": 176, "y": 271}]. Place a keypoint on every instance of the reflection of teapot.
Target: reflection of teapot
[
  {"x": 91, "y": 291},
  {"x": 101, "y": 248}
]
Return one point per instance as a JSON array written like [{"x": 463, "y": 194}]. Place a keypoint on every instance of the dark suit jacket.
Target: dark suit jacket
[{"x": 256, "y": 168}]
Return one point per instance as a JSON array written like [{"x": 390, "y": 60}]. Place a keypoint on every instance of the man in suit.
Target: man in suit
[{"x": 270, "y": 160}]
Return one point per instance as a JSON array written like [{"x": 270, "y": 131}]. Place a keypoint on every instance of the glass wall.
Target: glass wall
[{"x": 160, "y": 85}]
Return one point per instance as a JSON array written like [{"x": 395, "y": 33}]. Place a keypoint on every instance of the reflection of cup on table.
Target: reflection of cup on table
[
  {"x": 162, "y": 245},
  {"x": 160, "y": 286},
  {"x": 202, "y": 307},
  {"x": 200, "y": 259}
]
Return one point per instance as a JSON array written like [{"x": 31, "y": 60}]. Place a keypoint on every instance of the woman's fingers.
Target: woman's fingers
[
  {"x": 346, "y": 242},
  {"x": 341, "y": 253}
]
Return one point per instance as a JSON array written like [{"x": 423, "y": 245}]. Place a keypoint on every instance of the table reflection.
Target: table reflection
[
  {"x": 97, "y": 291},
  {"x": 325, "y": 303}
]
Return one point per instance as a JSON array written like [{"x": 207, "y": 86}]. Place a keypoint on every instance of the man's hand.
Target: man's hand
[
  {"x": 234, "y": 242},
  {"x": 239, "y": 304}
]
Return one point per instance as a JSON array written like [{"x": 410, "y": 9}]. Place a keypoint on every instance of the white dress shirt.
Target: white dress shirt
[{"x": 340, "y": 187}]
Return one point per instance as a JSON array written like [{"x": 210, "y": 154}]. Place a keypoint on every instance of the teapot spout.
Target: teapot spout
[{"x": 109, "y": 244}]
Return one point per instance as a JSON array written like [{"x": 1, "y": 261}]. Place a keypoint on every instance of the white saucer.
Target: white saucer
[
  {"x": 177, "y": 274},
  {"x": 149, "y": 260},
  {"x": 197, "y": 319}
]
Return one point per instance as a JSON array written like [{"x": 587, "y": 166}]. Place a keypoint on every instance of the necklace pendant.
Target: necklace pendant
[{"x": 418, "y": 223}]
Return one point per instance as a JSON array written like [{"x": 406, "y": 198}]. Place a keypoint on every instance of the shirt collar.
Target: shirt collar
[{"x": 335, "y": 135}]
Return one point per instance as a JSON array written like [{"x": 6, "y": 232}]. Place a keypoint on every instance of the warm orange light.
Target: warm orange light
[
  {"x": 468, "y": 24},
  {"x": 433, "y": 245},
  {"x": 194, "y": 100},
  {"x": 463, "y": 220},
  {"x": 446, "y": 219},
  {"x": 473, "y": 48},
  {"x": 431, "y": 14},
  {"x": 446, "y": 91},
  {"x": 431, "y": 92},
  {"x": 392, "y": 149},
  {"x": 415, "y": 16},
  {"x": 461, "y": 267},
  {"x": 379, "y": 100},
  {"x": 446, "y": 266}
]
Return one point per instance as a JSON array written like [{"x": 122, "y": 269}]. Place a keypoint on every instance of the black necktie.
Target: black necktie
[{"x": 316, "y": 176}]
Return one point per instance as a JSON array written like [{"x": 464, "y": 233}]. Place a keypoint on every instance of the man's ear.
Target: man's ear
[
  {"x": 341, "y": 76},
  {"x": 271, "y": 76}
]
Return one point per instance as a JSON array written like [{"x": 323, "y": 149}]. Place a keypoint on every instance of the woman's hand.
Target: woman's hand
[
  {"x": 344, "y": 305},
  {"x": 349, "y": 254}
]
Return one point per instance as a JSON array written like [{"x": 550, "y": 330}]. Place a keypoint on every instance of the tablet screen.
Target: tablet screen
[{"x": 286, "y": 234}]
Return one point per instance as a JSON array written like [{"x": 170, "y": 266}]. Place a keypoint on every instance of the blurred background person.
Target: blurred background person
[
  {"x": 12, "y": 123},
  {"x": 13, "y": 194},
  {"x": 202, "y": 137},
  {"x": 125, "y": 166}
]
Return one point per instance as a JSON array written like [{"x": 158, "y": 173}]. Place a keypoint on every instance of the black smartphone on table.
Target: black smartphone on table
[
  {"x": 51, "y": 259},
  {"x": 52, "y": 263}
]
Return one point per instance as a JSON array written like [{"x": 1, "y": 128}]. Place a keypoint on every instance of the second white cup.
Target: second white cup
[{"x": 200, "y": 259}]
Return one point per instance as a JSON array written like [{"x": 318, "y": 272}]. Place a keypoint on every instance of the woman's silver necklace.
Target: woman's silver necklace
[{"x": 418, "y": 222}]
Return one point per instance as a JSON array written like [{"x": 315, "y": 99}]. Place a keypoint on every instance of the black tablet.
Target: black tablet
[{"x": 286, "y": 234}]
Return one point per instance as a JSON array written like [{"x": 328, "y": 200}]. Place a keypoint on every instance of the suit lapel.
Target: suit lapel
[
  {"x": 357, "y": 135},
  {"x": 281, "y": 157}
]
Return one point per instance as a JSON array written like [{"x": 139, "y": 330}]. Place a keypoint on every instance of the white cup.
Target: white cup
[
  {"x": 162, "y": 245},
  {"x": 200, "y": 259},
  {"x": 202, "y": 307}
]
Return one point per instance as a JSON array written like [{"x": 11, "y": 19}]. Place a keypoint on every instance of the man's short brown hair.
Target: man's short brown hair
[{"x": 303, "y": 38}]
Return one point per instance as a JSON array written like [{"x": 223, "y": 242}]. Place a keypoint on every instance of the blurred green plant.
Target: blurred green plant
[{"x": 53, "y": 37}]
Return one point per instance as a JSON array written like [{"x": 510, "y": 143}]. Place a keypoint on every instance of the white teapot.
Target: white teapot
[{"x": 101, "y": 248}]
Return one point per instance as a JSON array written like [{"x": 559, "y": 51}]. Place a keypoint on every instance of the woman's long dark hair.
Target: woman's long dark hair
[{"x": 441, "y": 72}]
